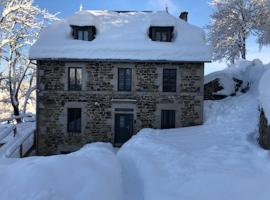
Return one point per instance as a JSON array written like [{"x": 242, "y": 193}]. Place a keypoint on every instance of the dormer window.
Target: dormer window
[
  {"x": 161, "y": 34},
  {"x": 86, "y": 33}
]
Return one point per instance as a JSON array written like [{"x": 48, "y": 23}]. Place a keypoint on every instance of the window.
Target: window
[
  {"x": 167, "y": 119},
  {"x": 169, "y": 80},
  {"x": 161, "y": 34},
  {"x": 124, "y": 79},
  {"x": 86, "y": 33},
  {"x": 75, "y": 78},
  {"x": 74, "y": 120}
]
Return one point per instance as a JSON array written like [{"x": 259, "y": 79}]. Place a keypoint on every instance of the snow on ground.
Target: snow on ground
[
  {"x": 249, "y": 72},
  {"x": 219, "y": 160},
  {"x": 91, "y": 173},
  {"x": 122, "y": 36},
  {"x": 24, "y": 136}
]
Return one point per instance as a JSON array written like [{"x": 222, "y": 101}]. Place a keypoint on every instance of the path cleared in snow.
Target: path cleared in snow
[{"x": 218, "y": 160}]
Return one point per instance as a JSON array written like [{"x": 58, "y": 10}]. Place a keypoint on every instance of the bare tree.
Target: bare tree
[{"x": 20, "y": 24}]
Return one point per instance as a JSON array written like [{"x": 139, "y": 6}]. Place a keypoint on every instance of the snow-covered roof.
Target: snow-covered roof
[{"x": 122, "y": 35}]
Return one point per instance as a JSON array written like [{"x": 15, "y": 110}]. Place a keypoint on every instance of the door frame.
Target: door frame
[
  {"x": 123, "y": 106},
  {"x": 132, "y": 131}
]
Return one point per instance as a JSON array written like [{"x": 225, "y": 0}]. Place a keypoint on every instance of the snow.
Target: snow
[
  {"x": 122, "y": 36},
  {"x": 265, "y": 94},
  {"x": 93, "y": 172},
  {"x": 249, "y": 72},
  {"x": 24, "y": 136},
  {"x": 219, "y": 160}
]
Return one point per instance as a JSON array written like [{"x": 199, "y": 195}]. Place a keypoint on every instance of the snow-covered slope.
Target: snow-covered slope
[
  {"x": 219, "y": 160},
  {"x": 249, "y": 72},
  {"x": 122, "y": 36},
  {"x": 264, "y": 96},
  {"x": 91, "y": 173}
]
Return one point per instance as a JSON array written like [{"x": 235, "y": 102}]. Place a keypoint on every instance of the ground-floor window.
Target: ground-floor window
[
  {"x": 167, "y": 119},
  {"x": 74, "y": 120}
]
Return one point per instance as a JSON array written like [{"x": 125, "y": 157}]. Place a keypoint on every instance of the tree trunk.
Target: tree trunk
[
  {"x": 16, "y": 112},
  {"x": 244, "y": 49}
]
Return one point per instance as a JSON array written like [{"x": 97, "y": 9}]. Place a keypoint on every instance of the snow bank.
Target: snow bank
[
  {"x": 219, "y": 160},
  {"x": 264, "y": 93},
  {"x": 91, "y": 173},
  {"x": 122, "y": 36},
  {"x": 249, "y": 72}
]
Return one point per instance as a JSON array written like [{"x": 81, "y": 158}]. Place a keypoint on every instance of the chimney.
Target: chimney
[{"x": 184, "y": 16}]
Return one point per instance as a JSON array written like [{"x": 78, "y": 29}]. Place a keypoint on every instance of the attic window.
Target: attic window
[
  {"x": 161, "y": 34},
  {"x": 86, "y": 33}
]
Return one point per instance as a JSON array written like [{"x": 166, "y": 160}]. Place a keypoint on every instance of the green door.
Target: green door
[{"x": 123, "y": 128}]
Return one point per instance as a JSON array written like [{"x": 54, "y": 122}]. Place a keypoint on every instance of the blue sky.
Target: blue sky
[{"x": 199, "y": 14}]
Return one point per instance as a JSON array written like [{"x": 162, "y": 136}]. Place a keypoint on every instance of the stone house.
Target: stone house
[{"x": 104, "y": 75}]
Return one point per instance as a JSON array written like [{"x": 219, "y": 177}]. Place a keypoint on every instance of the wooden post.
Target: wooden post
[
  {"x": 14, "y": 131},
  {"x": 21, "y": 151}
]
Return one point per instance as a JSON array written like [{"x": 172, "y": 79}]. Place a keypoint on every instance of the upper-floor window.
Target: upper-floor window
[
  {"x": 169, "y": 80},
  {"x": 75, "y": 78},
  {"x": 124, "y": 79},
  {"x": 87, "y": 33},
  {"x": 74, "y": 120},
  {"x": 161, "y": 34}
]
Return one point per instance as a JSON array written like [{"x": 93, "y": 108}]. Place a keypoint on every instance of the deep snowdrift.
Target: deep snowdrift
[
  {"x": 122, "y": 36},
  {"x": 249, "y": 72},
  {"x": 91, "y": 173},
  {"x": 219, "y": 160},
  {"x": 264, "y": 95}
]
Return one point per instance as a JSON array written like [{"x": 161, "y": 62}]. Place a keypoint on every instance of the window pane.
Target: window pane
[
  {"x": 128, "y": 80},
  {"x": 124, "y": 79},
  {"x": 78, "y": 78},
  {"x": 72, "y": 80},
  {"x": 75, "y": 78},
  {"x": 80, "y": 35},
  {"x": 85, "y": 37},
  {"x": 158, "y": 36},
  {"x": 164, "y": 36},
  {"x": 74, "y": 120},
  {"x": 169, "y": 80},
  {"x": 121, "y": 79}
]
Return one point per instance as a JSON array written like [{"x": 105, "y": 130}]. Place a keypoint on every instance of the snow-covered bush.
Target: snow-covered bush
[{"x": 237, "y": 78}]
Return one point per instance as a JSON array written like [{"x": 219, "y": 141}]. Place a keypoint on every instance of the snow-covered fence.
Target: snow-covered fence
[
  {"x": 23, "y": 117},
  {"x": 7, "y": 131},
  {"x": 21, "y": 145},
  {"x": 17, "y": 140}
]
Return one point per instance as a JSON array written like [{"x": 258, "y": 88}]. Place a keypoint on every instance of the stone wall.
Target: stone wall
[
  {"x": 264, "y": 131},
  {"x": 100, "y": 96}
]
